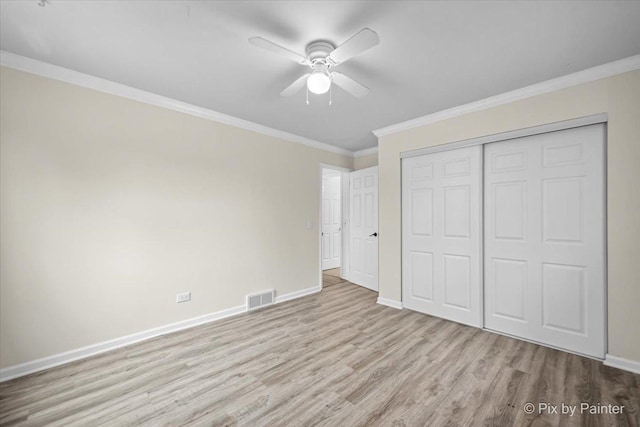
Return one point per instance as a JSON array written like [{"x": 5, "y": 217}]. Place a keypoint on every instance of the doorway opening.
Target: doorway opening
[{"x": 333, "y": 224}]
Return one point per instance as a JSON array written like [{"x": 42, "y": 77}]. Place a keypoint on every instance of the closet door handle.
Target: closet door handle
[{"x": 373, "y": 235}]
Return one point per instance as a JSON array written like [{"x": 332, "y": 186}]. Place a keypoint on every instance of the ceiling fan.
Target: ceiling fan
[{"x": 322, "y": 56}]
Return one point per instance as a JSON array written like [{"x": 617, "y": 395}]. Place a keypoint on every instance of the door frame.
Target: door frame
[
  {"x": 344, "y": 201},
  {"x": 601, "y": 118},
  {"x": 519, "y": 133}
]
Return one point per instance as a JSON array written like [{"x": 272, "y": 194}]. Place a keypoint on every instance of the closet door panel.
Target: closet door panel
[
  {"x": 544, "y": 238},
  {"x": 441, "y": 234}
]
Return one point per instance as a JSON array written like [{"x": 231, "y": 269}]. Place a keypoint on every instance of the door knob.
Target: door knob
[{"x": 373, "y": 235}]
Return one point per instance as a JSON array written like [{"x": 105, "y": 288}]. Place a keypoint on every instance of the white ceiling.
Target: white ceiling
[{"x": 432, "y": 55}]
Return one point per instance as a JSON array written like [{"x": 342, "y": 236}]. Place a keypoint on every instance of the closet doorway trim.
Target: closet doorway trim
[{"x": 503, "y": 136}]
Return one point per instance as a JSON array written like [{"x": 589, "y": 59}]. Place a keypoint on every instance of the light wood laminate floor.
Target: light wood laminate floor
[
  {"x": 331, "y": 277},
  {"x": 335, "y": 358}
]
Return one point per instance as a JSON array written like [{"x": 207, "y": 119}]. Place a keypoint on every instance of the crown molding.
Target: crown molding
[
  {"x": 55, "y": 72},
  {"x": 365, "y": 152},
  {"x": 621, "y": 66}
]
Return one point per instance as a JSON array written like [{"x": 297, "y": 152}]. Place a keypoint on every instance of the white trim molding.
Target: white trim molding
[
  {"x": 389, "y": 303},
  {"x": 334, "y": 167},
  {"x": 102, "y": 347},
  {"x": 55, "y": 72},
  {"x": 298, "y": 294},
  {"x": 365, "y": 152},
  {"x": 621, "y": 66},
  {"x": 622, "y": 363}
]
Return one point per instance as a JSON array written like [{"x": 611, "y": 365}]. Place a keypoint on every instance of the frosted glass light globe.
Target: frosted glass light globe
[{"x": 318, "y": 82}]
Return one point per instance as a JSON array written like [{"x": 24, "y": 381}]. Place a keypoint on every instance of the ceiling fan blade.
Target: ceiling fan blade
[
  {"x": 270, "y": 46},
  {"x": 360, "y": 42},
  {"x": 350, "y": 85},
  {"x": 295, "y": 87}
]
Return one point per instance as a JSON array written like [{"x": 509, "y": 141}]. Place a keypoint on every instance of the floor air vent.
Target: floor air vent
[{"x": 260, "y": 300}]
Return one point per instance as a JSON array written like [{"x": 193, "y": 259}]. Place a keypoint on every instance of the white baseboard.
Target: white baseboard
[
  {"x": 622, "y": 363},
  {"x": 390, "y": 303},
  {"x": 297, "y": 294},
  {"x": 94, "y": 349}
]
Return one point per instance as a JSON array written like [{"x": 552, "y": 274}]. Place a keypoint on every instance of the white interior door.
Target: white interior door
[
  {"x": 364, "y": 228},
  {"x": 441, "y": 242},
  {"x": 544, "y": 238},
  {"x": 331, "y": 219}
]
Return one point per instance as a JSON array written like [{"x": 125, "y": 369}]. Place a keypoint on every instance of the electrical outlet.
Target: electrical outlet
[{"x": 183, "y": 297}]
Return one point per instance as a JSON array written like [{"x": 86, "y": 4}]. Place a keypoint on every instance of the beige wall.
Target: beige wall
[
  {"x": 109, "y": 207},
  {"x": 618, "y": 96},
  {"x": 364, "y": 162}
]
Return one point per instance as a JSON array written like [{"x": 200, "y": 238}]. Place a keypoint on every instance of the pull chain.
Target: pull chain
[
  {"x": 330, "y": 98},
  {"x": 307, "y": 95}
]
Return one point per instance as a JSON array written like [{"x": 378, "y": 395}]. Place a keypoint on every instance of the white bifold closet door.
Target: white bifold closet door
[
  {"x": 544, "y": 238},
  {"x": 441, "y": 242}
]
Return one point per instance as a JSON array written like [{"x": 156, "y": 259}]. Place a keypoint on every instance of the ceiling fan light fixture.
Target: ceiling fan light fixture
[
  {"x": 319, "y": 82},
  {"x": 321, "y": 57}
]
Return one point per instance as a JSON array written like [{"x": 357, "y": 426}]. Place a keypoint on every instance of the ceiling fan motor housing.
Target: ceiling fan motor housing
[{"x": 319, "y": 49}]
